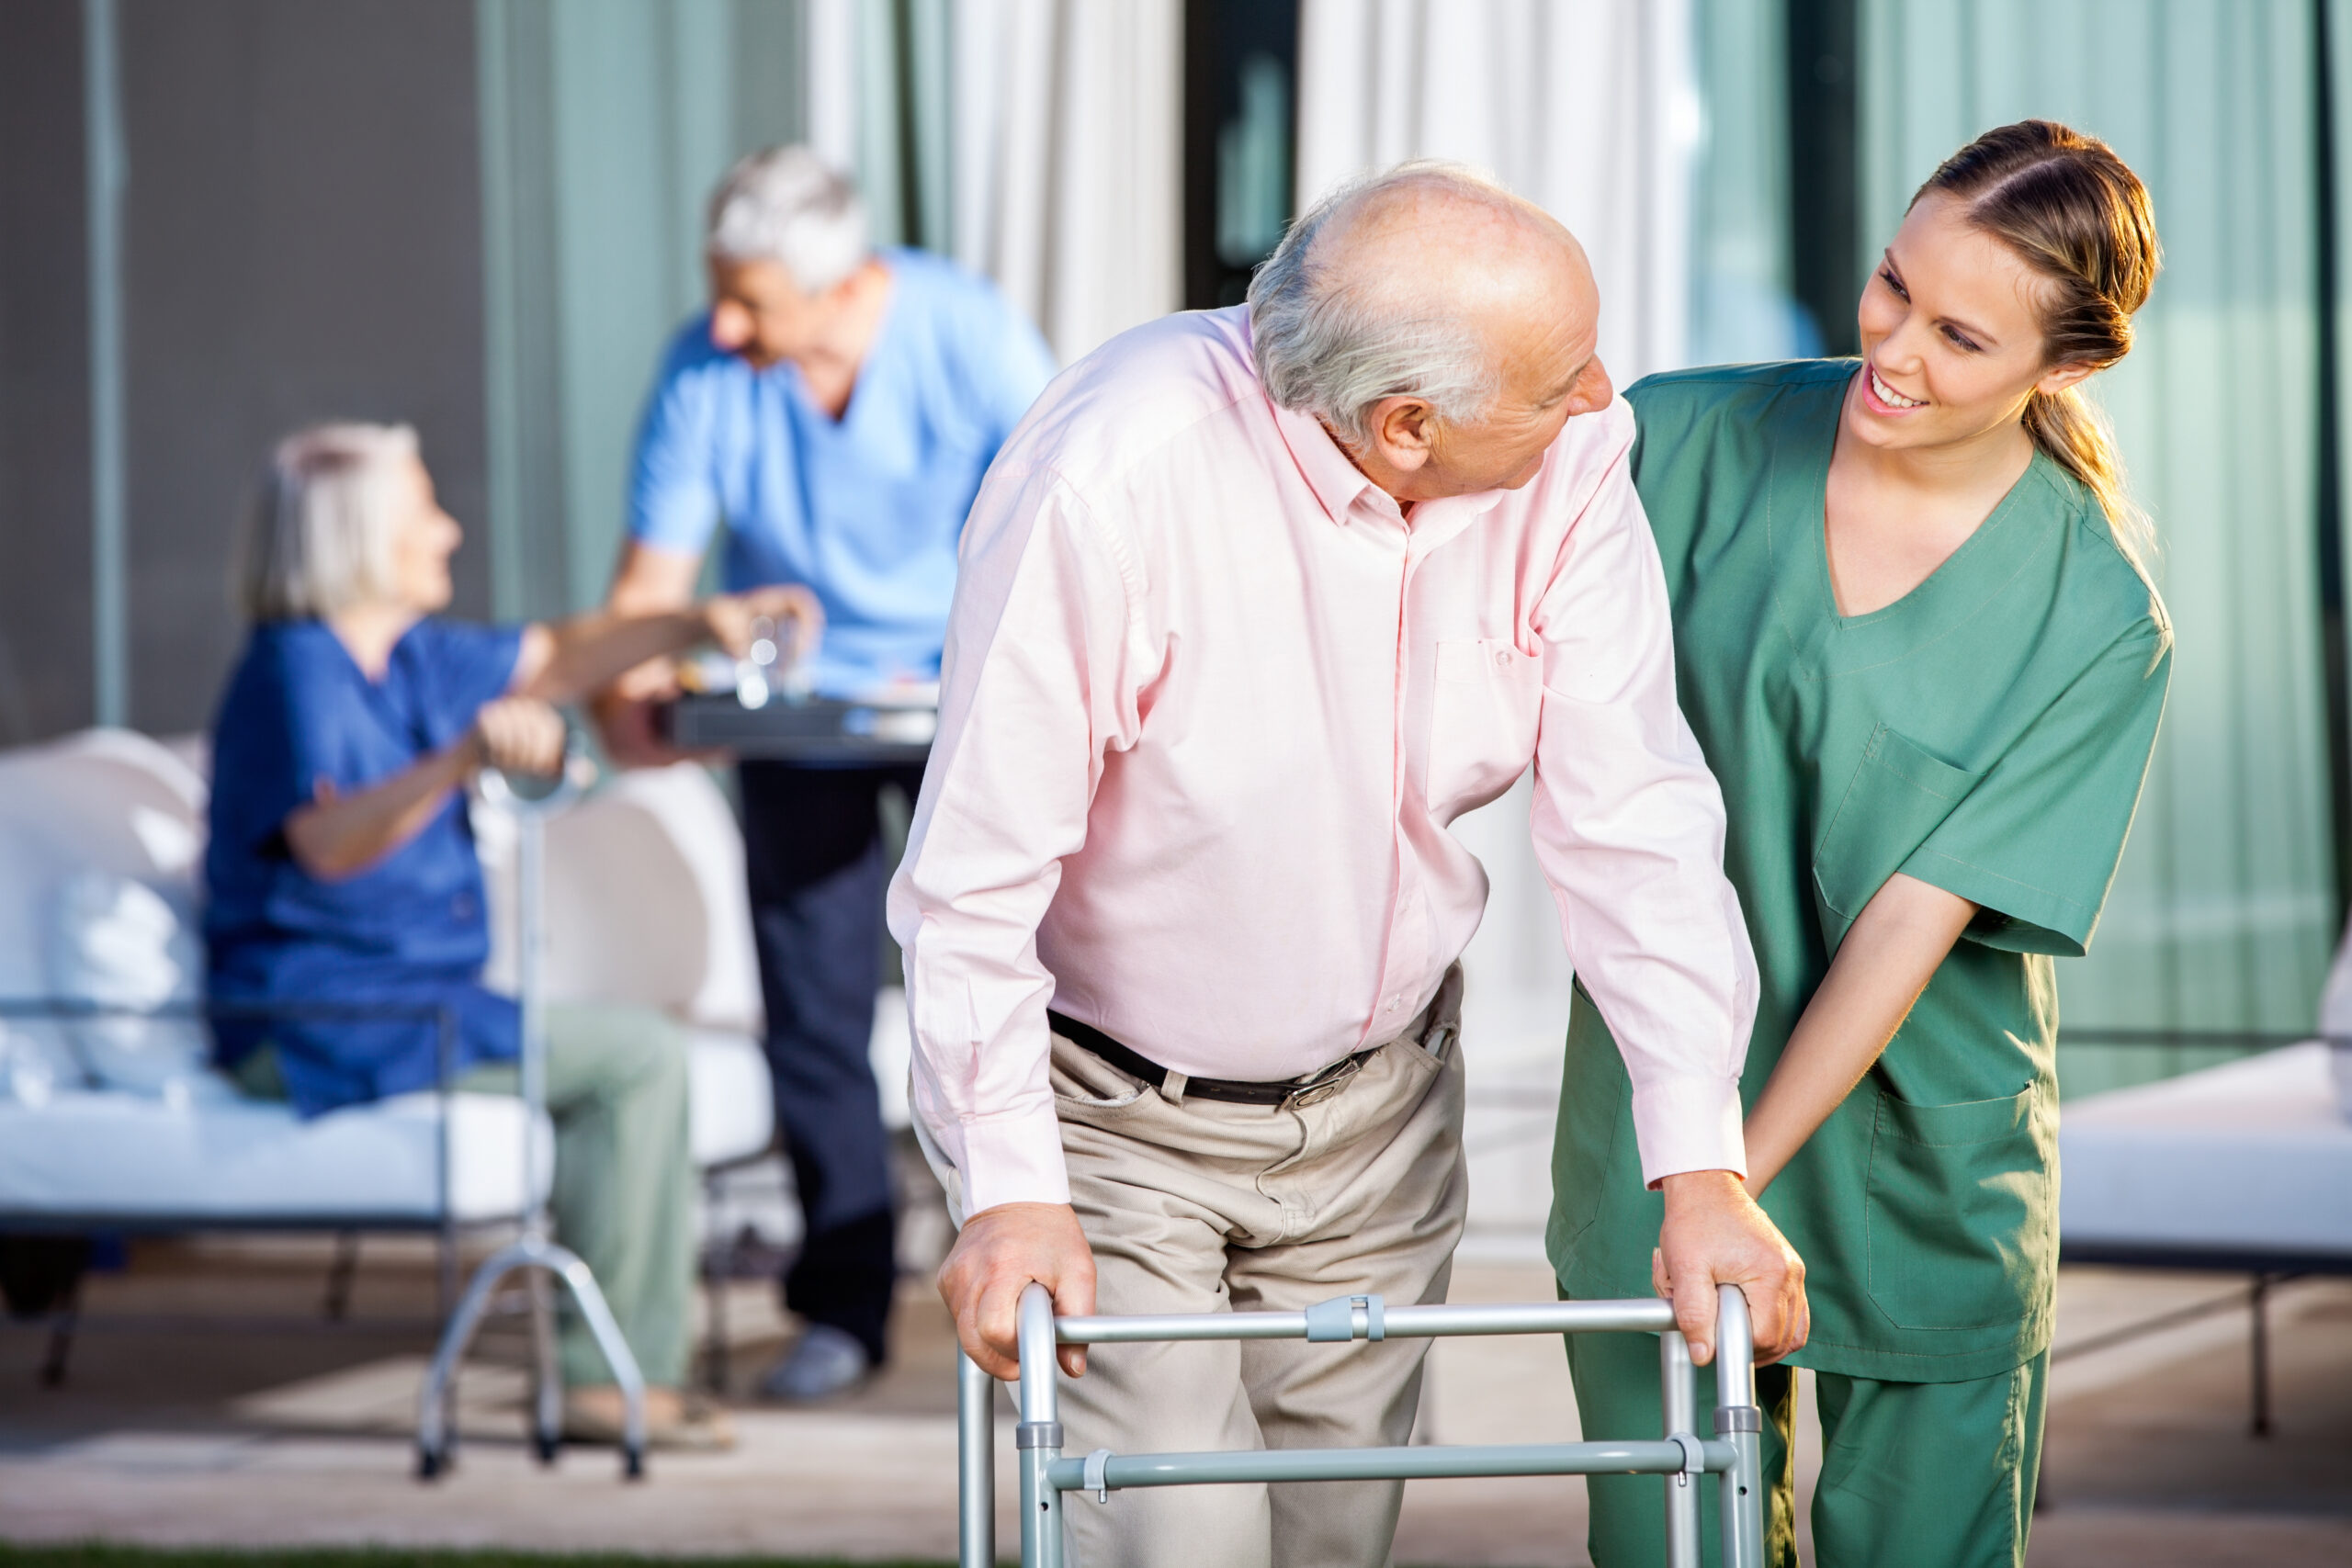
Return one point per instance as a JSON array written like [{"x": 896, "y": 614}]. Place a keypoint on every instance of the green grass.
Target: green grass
[{"x": 99, "y": 1554}]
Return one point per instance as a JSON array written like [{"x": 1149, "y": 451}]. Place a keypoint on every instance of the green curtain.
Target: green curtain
[
  {"x": 2222, "y": 914},
  {"x": 1742, "y": 309},
  {"x": 604, "y": 125}
]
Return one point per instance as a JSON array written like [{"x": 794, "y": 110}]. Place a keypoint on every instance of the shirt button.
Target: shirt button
[{"x": 1502, "y": 657}]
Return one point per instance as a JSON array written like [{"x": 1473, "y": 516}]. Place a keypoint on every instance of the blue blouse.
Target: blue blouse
[
  {"x": 866, "y": 511},
  {"x": 408, "y": 932}
]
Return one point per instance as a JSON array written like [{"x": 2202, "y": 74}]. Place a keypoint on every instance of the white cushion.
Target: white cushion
[
  {"x": 126, "y": 1157},
  {"x": 121, "y": 943},
  {"x": 731, "y": 1104},
  {"x": 2250, "y": 1157}
]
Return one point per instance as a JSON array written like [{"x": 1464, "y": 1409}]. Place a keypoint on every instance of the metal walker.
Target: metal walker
[
  {"x": 1734, "y": 1453},
  {"x": 534, "y": 1252}
]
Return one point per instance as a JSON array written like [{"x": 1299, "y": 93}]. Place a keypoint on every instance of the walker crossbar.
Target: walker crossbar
[{"x": 1733, "y": 1453}]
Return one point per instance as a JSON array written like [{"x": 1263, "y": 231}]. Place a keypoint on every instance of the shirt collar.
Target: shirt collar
[{"x": 1336, "y": 481}]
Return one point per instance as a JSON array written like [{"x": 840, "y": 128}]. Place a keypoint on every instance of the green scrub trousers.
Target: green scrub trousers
[
  {"x": 1987, "y": 734},
  {"x": 623, "y": 1195},
  {"x": 1909, "y": 1476}
]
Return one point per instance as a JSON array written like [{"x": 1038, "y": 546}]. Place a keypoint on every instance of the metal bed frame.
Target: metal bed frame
[{"x": 1046, "y": 1474}]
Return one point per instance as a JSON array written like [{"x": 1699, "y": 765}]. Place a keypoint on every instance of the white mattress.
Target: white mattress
[
  {"x": 2249, "y": 1159},
  {"x": 132, "y": 1157}
]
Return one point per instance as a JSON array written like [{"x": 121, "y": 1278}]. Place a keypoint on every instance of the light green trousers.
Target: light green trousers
[
  {"x": 1913, "y": 1474},
  {"x": 623, "y": 1179}
]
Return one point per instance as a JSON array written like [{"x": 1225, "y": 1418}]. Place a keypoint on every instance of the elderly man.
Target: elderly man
[
  {"x": 1254, "y": 604},
  {"x": 836, "y": 408}
]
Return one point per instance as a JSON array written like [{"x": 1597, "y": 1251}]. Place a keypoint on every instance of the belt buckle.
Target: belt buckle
[{"x": 1323, "y": 1085}]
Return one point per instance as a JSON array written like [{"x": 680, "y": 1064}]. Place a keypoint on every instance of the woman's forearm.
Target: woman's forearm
[
  {"x": 563, "y": 660},
  {"x": 338, "y": 835},
  {"x": 1886, "y": 960}
]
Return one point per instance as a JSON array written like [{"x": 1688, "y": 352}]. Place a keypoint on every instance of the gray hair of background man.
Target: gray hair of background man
[
  {"x": 1333, "y": 345},
  {"x": 788, "y": 205},
  {"x": 319, "y": 538}
]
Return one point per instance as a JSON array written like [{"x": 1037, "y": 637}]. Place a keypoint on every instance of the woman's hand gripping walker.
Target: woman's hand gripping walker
[{"x": 534, "y": 1252}]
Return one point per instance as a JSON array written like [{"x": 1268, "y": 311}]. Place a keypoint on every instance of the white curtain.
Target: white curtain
[
  {"x": 1589, "y": 108},
  {"x": 1068, "y": 159},
  {"x": 1043, "y": 142}
]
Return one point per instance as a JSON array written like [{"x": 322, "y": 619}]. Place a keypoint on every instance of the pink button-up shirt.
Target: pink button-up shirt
[{"x": 1210, "y": 699}]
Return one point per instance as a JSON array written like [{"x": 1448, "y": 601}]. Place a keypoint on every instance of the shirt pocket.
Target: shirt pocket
[
  {"x": 1487, "y": 701},
  {"x": 1960, "y": 1210},
  {"x": 1898, "y": 795}
]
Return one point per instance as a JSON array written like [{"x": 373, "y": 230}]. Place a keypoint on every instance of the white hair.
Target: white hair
[
  {"x": 319, "y": 538},
  {"x": 1333, "y": 341},
  {"x": 788, "y": 205}
]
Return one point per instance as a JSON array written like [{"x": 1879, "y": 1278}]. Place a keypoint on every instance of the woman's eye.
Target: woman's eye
[
  {"x": 1886, "y": 275},
  {"x": 1961, "y": 339}
]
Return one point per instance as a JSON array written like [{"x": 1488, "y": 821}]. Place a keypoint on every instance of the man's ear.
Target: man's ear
[
  {"x": 2058, "y": 378},
  {"x": 1403, "y": 431}
]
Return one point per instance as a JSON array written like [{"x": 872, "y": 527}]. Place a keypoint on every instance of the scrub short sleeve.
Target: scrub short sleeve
[
  {"x": 2035, "y": 843},
  {"x": 673, "y": 500},
  {"x": 458, "y": 668}
]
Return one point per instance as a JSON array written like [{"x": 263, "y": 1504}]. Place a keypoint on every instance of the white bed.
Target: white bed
[{"x": 2245, "y": 1166}]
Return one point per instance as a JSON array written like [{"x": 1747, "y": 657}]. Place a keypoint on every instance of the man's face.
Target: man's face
[
  {"x": 759, "y": 315},
  {"x": 1550, "y": 375}
]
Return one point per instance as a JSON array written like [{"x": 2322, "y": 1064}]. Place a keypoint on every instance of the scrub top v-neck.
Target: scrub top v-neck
[{"x": 1986, "y": 733}]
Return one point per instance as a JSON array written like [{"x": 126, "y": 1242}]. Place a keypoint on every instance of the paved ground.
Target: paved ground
[{"x": 181, "y": 1433}]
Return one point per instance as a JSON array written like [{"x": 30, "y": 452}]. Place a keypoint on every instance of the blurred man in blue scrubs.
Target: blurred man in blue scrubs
[{"x": 835, "y": 407}]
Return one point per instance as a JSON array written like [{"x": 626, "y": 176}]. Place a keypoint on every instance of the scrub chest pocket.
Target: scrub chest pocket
[
  {"x": 1899, "y": 796},
  {"x": 1960, "y": 1202}
]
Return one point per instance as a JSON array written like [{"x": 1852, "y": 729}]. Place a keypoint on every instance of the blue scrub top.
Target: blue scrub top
[
  {"x": 410, "y": 932},
  {"x": 866, "y": 511}
]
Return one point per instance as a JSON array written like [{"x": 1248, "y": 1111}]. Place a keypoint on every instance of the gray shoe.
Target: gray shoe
[{"x": 826, "y": 1362}]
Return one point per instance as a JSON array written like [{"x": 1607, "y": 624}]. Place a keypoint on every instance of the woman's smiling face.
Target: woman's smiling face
[{"x": 1952, "y": 336}]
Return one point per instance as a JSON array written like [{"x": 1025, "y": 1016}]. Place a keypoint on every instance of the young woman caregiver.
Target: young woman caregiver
[
  {"x": 341, "y": 867},
  {"x": 1915, "y": 640}
]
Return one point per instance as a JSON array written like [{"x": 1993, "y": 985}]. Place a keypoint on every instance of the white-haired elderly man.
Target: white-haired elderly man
[
  {"x": 836, "y": 408},
  {"x": 1257, "y": 602}
]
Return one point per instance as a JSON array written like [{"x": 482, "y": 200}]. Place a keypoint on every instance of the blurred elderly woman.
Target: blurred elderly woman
[{"x": 341, "y": 866}]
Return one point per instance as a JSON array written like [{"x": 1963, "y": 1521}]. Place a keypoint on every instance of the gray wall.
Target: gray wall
[
  {"x": 303, "y": 240},
  {"x": 45, "y": 661}
]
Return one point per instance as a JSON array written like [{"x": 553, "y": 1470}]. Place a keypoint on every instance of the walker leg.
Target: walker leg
[
  {"x": 547, "y": 1376},
  {"x": 590, "y": 1299},
  {"x": 975, "y": 1465},
  {"x": 1681, "y": 1391},
  {"x": 1739, "y": 1421},
  {"x": 435, "y": 1423},
  {"x": 1039, "y": 1435}
]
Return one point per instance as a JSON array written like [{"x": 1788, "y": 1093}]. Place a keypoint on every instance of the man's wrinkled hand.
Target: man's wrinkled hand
[
  {"x": 1715, "y": 1235},
  {"x": 998, "y": 1253}
]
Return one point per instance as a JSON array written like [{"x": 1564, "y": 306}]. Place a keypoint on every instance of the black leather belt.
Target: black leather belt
[{"x": 1238, "y": 1091}]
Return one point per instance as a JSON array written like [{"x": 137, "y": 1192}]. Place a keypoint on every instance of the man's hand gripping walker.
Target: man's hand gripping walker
[{"x": 1731, "y": 1453}]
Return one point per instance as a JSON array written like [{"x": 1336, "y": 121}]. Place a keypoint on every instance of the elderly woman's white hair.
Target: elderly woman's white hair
[
  {"x": 1332, "y": 342},
  {"x": 788, "y": 205},
  {"x": 319, "y": 538}
]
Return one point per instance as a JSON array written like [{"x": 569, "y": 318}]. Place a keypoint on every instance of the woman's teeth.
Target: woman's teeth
[{"x": 1889, "y": 396}]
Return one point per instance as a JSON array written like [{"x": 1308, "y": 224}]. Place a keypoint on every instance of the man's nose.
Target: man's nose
[{"x": 1594, "y": 389}]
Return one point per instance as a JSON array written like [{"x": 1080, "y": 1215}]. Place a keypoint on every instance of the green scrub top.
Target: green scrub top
[{"x": 1988, "y": 733}]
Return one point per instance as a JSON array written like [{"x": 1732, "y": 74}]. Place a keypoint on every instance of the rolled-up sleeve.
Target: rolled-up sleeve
[
  {"x": 1034, "y": 685},
  {"x": 1628, "y": 825}
]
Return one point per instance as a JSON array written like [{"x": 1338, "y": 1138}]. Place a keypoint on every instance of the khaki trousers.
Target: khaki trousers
[{"x": 1195, "y": 1205}]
